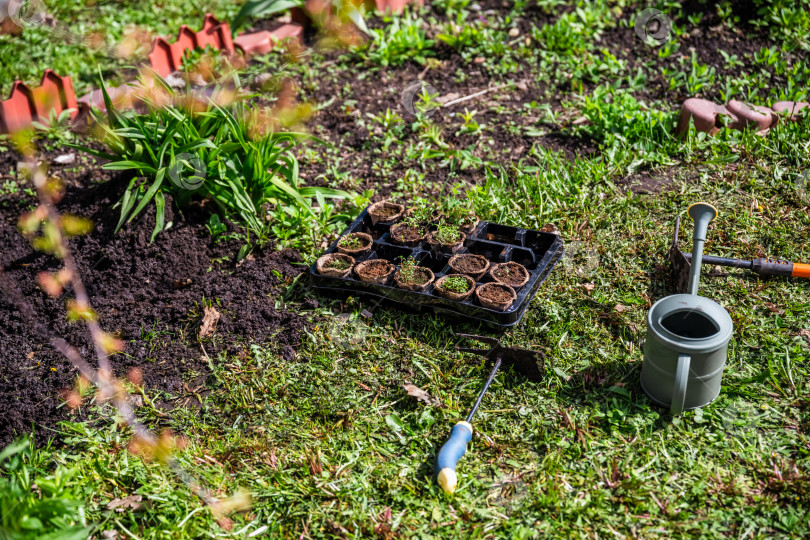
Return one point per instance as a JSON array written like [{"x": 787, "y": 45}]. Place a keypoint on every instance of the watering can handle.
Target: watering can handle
[{"x": 681, "y": 377}]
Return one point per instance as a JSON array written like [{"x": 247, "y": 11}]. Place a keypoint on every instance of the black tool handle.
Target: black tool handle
[
  {"x": 456, "y": 446},
  {"x": 763, "y": 267},
  {"x": 772, "y": 267}
]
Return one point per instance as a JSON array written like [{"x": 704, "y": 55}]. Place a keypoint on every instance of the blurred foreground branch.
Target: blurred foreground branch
[{"x": 55, "y": 230}]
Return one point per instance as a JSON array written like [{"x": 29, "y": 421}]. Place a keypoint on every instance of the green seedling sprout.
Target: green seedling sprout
[
  {"x": 447, "y": 234},
  {"x": 407, "y": 269},
  {"x": 351, "y": 242},
  {"x": 338, "y": 263},
  {"x": 456, "y": 284}
]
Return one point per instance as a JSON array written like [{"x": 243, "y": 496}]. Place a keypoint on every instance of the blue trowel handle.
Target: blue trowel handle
[{"x": 452, "y": 451}]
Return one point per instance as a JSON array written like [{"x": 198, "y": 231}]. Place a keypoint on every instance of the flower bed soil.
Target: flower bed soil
[
  {"x": 374, "y": 95},
  {"x": 145, "y": 293}
]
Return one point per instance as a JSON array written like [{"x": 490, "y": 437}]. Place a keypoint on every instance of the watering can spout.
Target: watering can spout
[{"x": 702, "y": 214}]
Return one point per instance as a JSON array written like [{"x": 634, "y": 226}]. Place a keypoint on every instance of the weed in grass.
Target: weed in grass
[
  {"x": 37, "y": 501},
  {"x": 403, "y": 39},
  {"x": 57, "y": 128},
  {"x": 458, "y": 211},
  {"x": 470, "y": 127}
]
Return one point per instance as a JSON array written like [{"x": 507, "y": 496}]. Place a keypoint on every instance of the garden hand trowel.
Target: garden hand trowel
[
  {"x": 528, "y": 363},
  {"x": 682, "y": 264}
]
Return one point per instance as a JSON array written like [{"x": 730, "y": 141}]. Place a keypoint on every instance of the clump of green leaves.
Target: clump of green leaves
[
  {"x": 459, "y": 211},
  {"x": 471, "y": 125},
  {"x": 57, "y": 128},
  {"x": 456, "y": 284},
  {"x": 228, "y": 154},
  {"x": 422, "y": 210},
  {"x": 402, "y": 40},
  {"x": 35, "y": 503}
]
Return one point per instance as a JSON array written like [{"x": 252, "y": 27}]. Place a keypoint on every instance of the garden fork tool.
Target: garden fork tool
[
  {"x": 682, "y": 264},
  {"x": 526, "y": 362}
]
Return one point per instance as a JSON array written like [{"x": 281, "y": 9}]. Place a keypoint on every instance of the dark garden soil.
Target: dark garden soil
[
  {"x": 511, "y": 274},
  {"x": 469, "y": 265},
  {"x": 406, "y": 233},
  {"x": 150, "y": 295},
  {"x": 495, "y": 293},
  {"x": 386, "y": 211},
  {"x": 376, "y": 268}
]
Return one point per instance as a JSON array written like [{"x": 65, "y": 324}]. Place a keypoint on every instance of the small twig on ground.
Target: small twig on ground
[{"x": 475, "y": 95}]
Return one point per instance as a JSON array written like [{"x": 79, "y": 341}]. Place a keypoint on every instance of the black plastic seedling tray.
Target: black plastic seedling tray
[{"x": 537, "y": 251}]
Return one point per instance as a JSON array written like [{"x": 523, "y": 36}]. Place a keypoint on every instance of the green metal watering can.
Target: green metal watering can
[{"x": 687, "y": 337}]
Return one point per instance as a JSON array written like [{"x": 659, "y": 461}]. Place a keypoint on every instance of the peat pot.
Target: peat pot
[{"x": 685, "y": 351}]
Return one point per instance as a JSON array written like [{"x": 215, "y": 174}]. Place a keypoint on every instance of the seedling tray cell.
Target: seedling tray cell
[{"x": 537, "y": 251}]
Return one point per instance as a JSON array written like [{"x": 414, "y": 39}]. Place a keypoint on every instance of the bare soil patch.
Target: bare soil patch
[{"x": 151, "y": 295}]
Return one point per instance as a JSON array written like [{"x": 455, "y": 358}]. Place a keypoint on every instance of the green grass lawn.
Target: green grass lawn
[{"x": 330, "y": 445}]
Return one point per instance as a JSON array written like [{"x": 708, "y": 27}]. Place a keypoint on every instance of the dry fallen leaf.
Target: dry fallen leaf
[
  {"x": 132, "y": 502},
  {"x": 209, "y": 322},
  {"x": 773, "y": 308},
  {"x": 272, "y": 459},
  {"x": 421, "y": 395},
  {"x": 620, "y": 308},
  {"x": 588, "y": 287},
  {"x": 805, "y": 334}
]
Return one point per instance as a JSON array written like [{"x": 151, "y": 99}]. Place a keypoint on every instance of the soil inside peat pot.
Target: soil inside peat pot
[
  {"x": 377, "y": 271},
  {"x": 407, "y": 235},
  {"x": 420, "y": 280},
  {"x": 511, "y": 273},
  {"x": 355, "y": 244},
  {"x": 385, "y": 211},
  {"x": 469, "y": 264},
  {"x": 150, "y": 295},
  {"x": 444, "y": 288},
  {"x": 335, "y": 265},
  {"x": 496, "y": 296}
]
